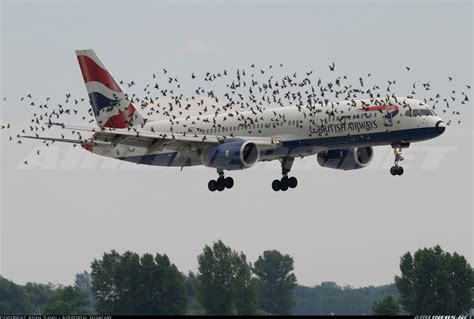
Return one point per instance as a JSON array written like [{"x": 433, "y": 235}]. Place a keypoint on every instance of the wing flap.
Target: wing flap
[{"x": 65, "y": 140}]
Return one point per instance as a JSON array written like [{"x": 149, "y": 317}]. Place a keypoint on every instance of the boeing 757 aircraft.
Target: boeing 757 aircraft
[{"x": 341, "y": 134}]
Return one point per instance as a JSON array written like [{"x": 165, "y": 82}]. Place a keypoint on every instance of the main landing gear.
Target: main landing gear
[
  {"x": 396, "y": 169},
  {"x": 285, "y": 182},
  {"x": 221, "y": 183}
]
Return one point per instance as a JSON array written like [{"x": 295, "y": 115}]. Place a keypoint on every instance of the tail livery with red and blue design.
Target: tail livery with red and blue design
[{"x": 110, "y": 104}]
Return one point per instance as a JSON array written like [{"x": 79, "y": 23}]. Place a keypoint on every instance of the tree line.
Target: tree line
[{"x": 431, "y": 281}]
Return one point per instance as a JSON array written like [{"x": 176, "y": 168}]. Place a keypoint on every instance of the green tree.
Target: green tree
[
  {"x": 245, "y": 287},
  {"x": 435, "y": 282},
  {"x": 83, "y": 281},
  {"x": 13, "y": 299},
  {"x": 39, "y": 295},
  {"x": 388, "y": 306},
  {"x": 278, "y": 282},
  {"x": 224, "y": 282},
  {"x": 132, "y": 285},
  {"x": 193, "y": 307},
  {"x": 67, "y": 301}
]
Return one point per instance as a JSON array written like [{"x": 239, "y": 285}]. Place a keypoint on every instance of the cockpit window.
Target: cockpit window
[
  {"x": 408, "y": 113},
  {"x": 416, "y": 113},
  {"x": 425, "y": 112}
]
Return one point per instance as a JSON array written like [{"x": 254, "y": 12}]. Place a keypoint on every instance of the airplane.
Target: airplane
[{"x": 340, "y": 134}]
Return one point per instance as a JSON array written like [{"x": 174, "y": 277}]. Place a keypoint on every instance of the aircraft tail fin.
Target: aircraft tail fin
[{"x": 110, "y": 104}]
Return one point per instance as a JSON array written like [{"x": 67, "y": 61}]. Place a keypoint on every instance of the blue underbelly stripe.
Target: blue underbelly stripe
[{"x": 335, "y": 142}]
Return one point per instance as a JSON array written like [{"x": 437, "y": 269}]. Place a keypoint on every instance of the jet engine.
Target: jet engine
[
  {"x": 231, "y": 155},
  {"x": 347, "y": 158}
]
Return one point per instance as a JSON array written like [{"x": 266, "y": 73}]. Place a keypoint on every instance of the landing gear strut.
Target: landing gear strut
[
  {"x": 285, "y": 182},
  {"x": 396, "y": 169},
  {"x": 221, "y": 183}
]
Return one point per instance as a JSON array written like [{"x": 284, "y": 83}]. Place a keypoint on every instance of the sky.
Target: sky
[{"x": 68, "y": 206}]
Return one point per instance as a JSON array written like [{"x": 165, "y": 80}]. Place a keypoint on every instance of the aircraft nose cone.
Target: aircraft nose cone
[{"x": 440, "y": 127}]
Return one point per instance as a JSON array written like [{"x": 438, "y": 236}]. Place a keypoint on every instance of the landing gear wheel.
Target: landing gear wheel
[
  {"x": 400, "y": 171},
  {"x": 284, "y": 183},
  {"x": 292, "y": 182},
  {"x": 220, "y": 184},
  {"x": 276, "y": 185},
  {"x": 393, "y": 170},
  {"x": 396, "y": 170},
  {"x": 229, "y": 182},
  {"x": 212, "y": 185}
]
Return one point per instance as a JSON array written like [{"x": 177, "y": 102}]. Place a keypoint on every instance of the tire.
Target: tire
[
  {"x": 400, "y": 171},
  {"x": 276, "y": 185},
  {"x": 292, "y": 182},
  {"x": 394, "y": 170},
  {"x": 284, "y": 184},
  {"x": 220, "y": 184},
  {"x": 229, "y": 182},
  {"x": 212, "y": 185}
]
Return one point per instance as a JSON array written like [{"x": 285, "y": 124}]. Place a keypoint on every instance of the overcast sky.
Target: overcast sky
[{"x": 69, "y": 206}]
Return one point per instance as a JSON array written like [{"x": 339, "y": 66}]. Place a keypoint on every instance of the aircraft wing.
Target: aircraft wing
[{"x": 154, "y": 141}]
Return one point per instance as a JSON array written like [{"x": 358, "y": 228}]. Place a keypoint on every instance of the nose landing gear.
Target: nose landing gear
[
  {"x": 221, "y": 183},
  {"x": 285, "y": 182},
  {"x": 396, "y": 169}
]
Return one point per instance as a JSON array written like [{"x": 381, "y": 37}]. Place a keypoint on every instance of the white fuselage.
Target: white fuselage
[{"x": 303, "y": 131}]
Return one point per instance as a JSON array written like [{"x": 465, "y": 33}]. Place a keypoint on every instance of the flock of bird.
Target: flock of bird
[{"x": 253, "y": 89}]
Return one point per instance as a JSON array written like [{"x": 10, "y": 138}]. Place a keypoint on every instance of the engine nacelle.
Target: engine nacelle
[
  {"x": 347, "y": 158},
  {"x": 231, "y": 155}
]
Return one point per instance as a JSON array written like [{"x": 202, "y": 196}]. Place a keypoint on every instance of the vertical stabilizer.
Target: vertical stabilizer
[{"x": 110, "y": 104}]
